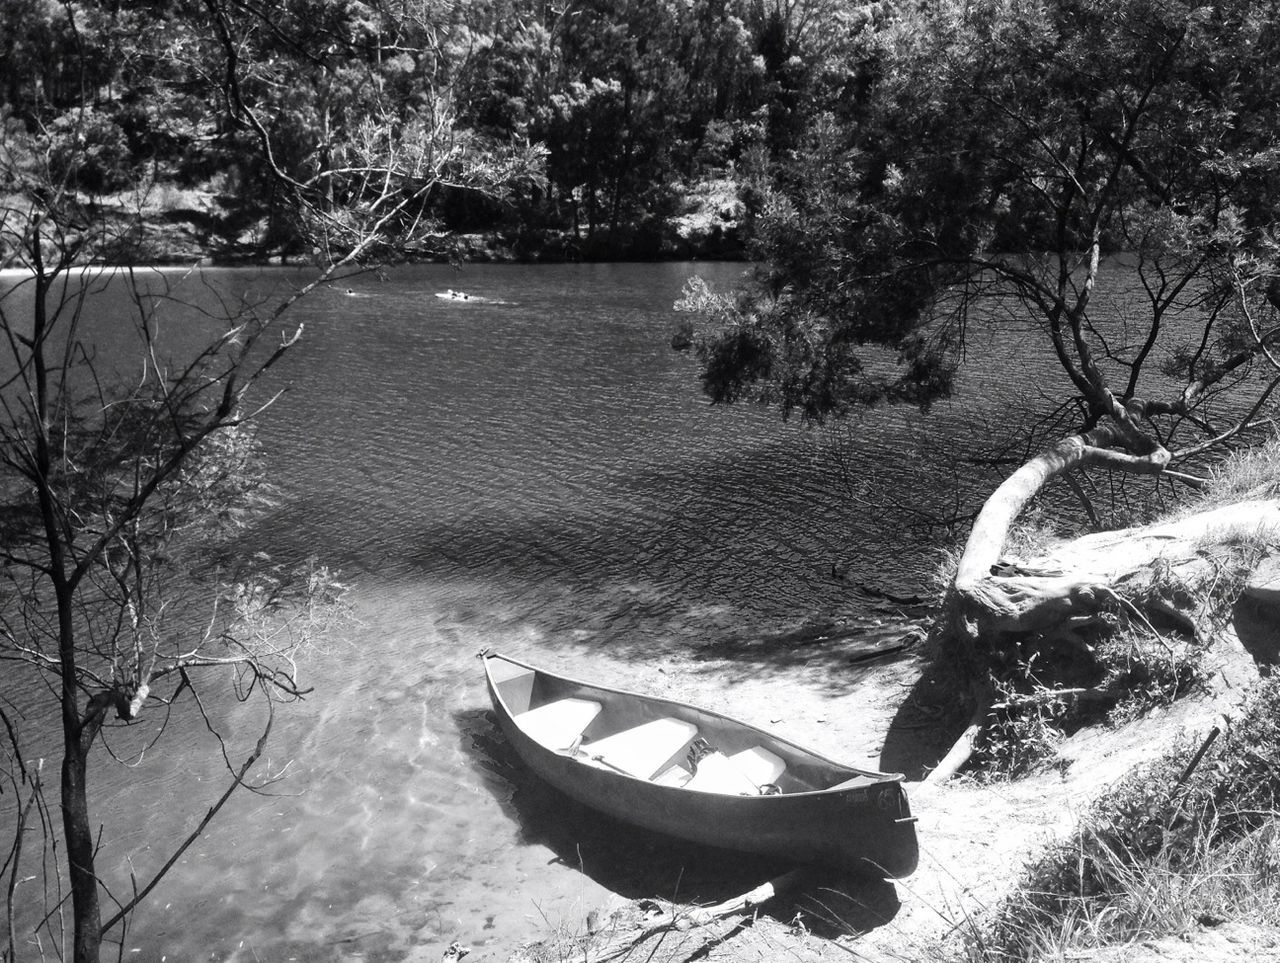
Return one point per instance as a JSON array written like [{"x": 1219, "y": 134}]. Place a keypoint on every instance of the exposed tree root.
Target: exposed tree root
[
  {"x": 1052, "y": 614},
  {"x": 1138, "y": 568},
  {"x": 960, "y": 753}
]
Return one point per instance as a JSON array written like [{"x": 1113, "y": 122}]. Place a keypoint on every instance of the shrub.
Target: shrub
[{"x": 1023, "y": 732}]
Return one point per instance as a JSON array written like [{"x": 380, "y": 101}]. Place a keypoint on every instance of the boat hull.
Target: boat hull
[{"x": 866, "y": 827}]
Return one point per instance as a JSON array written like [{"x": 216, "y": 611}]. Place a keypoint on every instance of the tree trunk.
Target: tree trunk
[
  {"x": 77, "y": 738},
  {"x": 85, "y": 908},
  {"x": 981, "y": 604},
  {"x": 622, "y": 172},
  {"x": 77, "y": 734},
  {"x": 999, "y": 615}
]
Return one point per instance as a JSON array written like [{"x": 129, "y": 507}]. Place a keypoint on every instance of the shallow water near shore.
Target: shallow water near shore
[{"x": 536, "y": 473}]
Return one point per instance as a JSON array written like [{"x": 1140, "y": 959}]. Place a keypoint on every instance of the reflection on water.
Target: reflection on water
[{"x": 538, "y": 475}]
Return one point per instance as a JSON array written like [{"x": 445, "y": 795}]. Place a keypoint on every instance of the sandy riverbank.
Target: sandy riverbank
[{"x": 975, "y": 837}]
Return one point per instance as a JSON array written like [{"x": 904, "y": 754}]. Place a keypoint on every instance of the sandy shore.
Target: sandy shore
[{"x": 975, "y": 838}]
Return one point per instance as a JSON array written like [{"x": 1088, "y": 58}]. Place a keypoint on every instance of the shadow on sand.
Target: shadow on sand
[
  {"x": 1255, "y": 624},
  {"x": 638, "y": 864},
  {"x": 927, "y": 723}
]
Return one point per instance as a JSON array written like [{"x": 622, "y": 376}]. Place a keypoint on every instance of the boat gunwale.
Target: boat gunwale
[{"x": 881, "y": 777}]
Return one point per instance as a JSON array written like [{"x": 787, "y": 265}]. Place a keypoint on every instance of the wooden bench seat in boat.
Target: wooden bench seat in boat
[
  {"x": 642, "y": 750},
  {"x": 558, "y": 725}
]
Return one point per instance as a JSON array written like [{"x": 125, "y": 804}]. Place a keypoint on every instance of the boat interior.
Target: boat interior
[{"x": 662, "y": 742}]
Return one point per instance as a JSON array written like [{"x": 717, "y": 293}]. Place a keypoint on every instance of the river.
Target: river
[{"x": 537, "y": 473}]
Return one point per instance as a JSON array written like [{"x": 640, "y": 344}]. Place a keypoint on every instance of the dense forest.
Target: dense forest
[{"x": 655, "y": 123}]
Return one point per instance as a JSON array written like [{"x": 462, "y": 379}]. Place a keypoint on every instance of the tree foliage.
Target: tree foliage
[
  {"x": 1028, "y": 165},
  {"x": 1002, "y": 151},
  {"x": 634, "y": 103}
]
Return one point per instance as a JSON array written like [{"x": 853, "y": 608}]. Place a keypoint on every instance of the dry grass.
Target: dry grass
[
  {"x": 1158, "y": 855},
  {"x": 1151, "y": 898},
  {"x": 1251, "y": 473}
]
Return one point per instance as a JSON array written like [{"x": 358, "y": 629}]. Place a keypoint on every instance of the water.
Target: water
[{"x": 539, "y": 475}]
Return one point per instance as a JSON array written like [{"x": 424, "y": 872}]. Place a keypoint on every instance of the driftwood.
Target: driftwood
[
  {"x": 748, "y": 900},
  {"x": 681, "y": 921},
  {"x": 960, "y": 753},
  {"x": 1046, "y": 696}
]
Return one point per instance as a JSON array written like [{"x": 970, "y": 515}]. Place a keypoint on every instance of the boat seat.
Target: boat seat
[
  {"x": 759, "y": 765},
  {"x": 641, "y": 750},
  {"x": 557, "y": 725},
  {"x": 741, "y": 774},
  {"x": 717, "y": 773}
]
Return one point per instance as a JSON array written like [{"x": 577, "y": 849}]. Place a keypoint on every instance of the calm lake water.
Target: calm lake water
[{"x": 540, "y": 475}]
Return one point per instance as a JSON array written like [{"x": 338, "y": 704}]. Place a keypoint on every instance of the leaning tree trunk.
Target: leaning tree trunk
[
  {"x": 1164, "y": 573},
  {"x": 1171, "y": 570},
  {"x": 984, "y": 605}
]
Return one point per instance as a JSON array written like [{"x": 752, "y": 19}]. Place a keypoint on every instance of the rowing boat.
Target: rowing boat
[{"x": 701, "y": 776}]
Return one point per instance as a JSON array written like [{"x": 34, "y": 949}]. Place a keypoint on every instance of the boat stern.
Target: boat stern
[{"x": 879, "y": 835}]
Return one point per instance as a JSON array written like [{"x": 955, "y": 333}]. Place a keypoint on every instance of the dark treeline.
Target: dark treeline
[{"x": 661, "y": 120}]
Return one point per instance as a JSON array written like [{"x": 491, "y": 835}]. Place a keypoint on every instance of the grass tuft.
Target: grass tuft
[
  {"x": 1253, "y": 472},
  {"x": 1163, "y": 851}
]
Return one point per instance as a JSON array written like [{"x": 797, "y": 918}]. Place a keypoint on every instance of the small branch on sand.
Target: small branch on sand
[
  {"x": 684, "y": 921},
  {"x": 761, "y": 894}
]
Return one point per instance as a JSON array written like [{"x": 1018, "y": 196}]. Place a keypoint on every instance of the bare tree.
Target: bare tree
[{"x": 120, "y": 482}]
